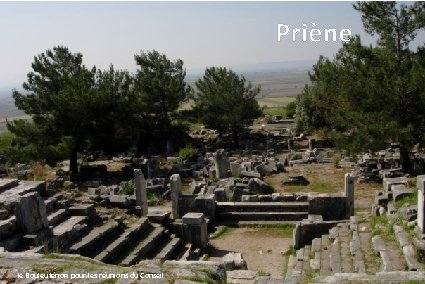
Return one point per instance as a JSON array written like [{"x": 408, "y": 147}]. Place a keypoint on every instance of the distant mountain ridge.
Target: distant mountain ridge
[{"x": 294, "y": 65}]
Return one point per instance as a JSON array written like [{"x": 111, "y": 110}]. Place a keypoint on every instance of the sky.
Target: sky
[{"x": 202, "y": 34}]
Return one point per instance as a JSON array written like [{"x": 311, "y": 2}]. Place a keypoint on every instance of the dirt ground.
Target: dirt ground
[{"x": 261, "y": 249}]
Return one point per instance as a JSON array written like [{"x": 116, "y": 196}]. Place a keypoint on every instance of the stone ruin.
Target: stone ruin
[{"x": 224, "y": 188}]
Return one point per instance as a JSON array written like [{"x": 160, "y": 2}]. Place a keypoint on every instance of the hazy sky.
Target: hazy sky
[{"x": 201, "y": 33}]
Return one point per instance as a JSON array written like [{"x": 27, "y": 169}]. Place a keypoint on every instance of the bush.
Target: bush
[
  {"x": 126, "y": 188},
  {"x": 188, "y": 153}
]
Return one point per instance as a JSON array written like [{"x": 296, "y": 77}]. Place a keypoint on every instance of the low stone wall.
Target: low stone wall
[
  {"x": 330, "y": 206},
  {"x": 197, "y": 203},
  {"x": 306, "y": 231}
]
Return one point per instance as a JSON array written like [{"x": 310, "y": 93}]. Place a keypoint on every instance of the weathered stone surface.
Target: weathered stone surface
[
  {"x": 7, "y": 227},
  {"x": 140, "y": 191},
  {"x": 381, "y": 198},
  {"x": 82, "y": 210},
  {"x": 421, "y": 203},
  {"x": 330, "y": 206},
  {"x": 249, "y": 198},
  {"x": 400, "y": 191},
  {"x": 409, "y": 213},
  {"x": 349, "y": 194},
  {"x": 221, "y": 163},
  {"x": 6, "y": 183},
  {"x": 234, "y": 261},
  {"x": 335, "y": 258},
  {"x": 158, "y": 216},
  {"x": 235, "y": 168},
  {"x": 257, "y": 186},
  {"x": 220, "y": 194},
  {"x": 31, "y": 213},
  {"x": 195, "y": 229},
  {"x": 250, "y": 174},
  {"x": 176, "y": 191},
  {"x": 10, "y": 197}
]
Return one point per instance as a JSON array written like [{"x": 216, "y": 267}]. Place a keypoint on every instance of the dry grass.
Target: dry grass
[
  {"x": 323, "y": 178},
  {"x": 275, "y": 102}
]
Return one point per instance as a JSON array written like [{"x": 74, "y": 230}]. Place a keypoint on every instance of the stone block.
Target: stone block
[
  {"x": 140, "y": 191},
  {"x": 265, "y": 198},
  {"x": 250, "y": 174},
  {"x": 220, "y": 194},
  {"x": 246, "y": 166},
  {"x": 93, "y": 191},
  {"x": 7, "y": 227},
  {"x": 221, "y": 163},
  {"x": 381, "y": 198},
  {"x": 158, "y": 216},
  {"x": 421, "y": 203},
  {"x": 388, "y": 182},
  {"x": 82, "y": 210},
  {"x": 195, "y": 229},
  {"x": 121, "y": 201},
  {"x": 400, "y": 191},
  {"x": 235, "y": 168},
  {"x": 30, "y": 213},
  {"x": 261, "y": 169},
  {"x": 249, "y": 198},
  {"x": 193, "y": 218},
  {"x": 176, "y": 191}
]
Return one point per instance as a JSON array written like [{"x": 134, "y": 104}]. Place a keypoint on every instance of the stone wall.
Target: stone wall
[
  {"x": 197, "y": 203},
  {"x": 306, "y": 231},
  {"x": 330, "y": 206}
]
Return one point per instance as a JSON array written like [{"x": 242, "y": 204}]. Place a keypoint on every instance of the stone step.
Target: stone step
[
  {"x": 123, "y": 242},
  {"x": 325, "y": 266},
  {"x": 345, "y": 237},
  {"x": 335, "y": 257},
  {"x": 57, "y": 216},
  {"x": 391, "y": 259},
  {"x": 306, "y": 260},
  {"x": 170, "y": 249},
  {"x": 89, "y": 243},
  {"x": 6, "y": 183},
  {"x": 223, "y": 207},
  {"x": 7, "y": 227},
  {"x": 356, "y": 252},
  {"x": 69, "y": 229},
  {"x": 289, "y": 277},
  {"x": 408, "y": 249},
  {"x": 262, "y": 216},
  {"x": 144, "y": 247},
  {"x": 11, "y": 195}
]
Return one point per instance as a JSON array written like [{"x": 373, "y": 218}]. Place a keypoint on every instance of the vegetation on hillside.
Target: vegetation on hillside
[
  {"x": 74, "y": 108},
  {"x": 367, "y": 96},
  {"x": 226, "y": 102}
]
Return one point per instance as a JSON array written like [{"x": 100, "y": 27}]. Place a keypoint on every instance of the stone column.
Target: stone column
[
  {"x": 311, "y": 144},
  {"x": 176, "y": 191},
  {"x": 170, "y": 147},
  {"x": 349, "y": 193},
  {"x": 140, "y": 191},
  {"x": 421, "y": 203},
  {"x": 221, "y": 163},
  {"x": 290, "y": 144}
]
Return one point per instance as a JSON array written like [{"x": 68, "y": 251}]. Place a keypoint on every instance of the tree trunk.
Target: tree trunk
[
  {"x": 405, "y": 162},
  {"x": 73, "y": 163},
  {"x": 235, "y": 139}
]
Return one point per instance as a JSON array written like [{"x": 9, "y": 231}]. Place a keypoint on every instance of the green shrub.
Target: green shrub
[
  {"x": 188, "y": 153},
  {"x": 126, "y": 188}
]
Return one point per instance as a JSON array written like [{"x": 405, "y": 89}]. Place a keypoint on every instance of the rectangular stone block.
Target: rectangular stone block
[
  {"x": 193, "y": 218},
  {"x": 421, "y": 201}
]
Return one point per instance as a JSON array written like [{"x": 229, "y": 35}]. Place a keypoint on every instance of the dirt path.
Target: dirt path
[{"x": 262, "y": 250}]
